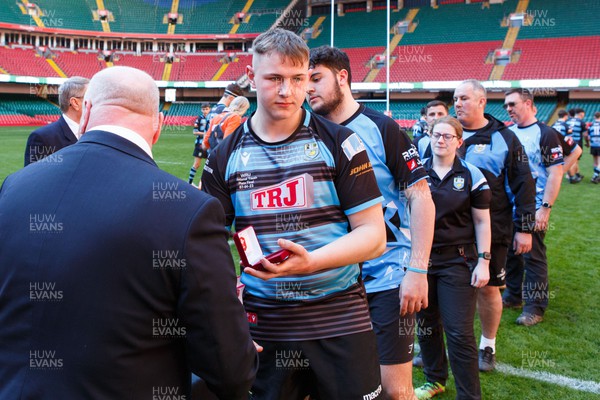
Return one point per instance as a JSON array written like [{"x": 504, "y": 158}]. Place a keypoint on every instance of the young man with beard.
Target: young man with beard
[
  {"x": 396, "y": 282},
  {"x": 285, "y": 164},
  {"x": 497, "y": 152}
]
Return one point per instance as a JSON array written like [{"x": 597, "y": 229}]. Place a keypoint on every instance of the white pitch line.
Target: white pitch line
[
  {"x": 169, "y": 162},
  {"x": 571, "y": 383}
]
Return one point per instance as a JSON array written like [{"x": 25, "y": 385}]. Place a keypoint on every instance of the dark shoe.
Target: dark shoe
[
  {"x": 511, "y": 306},
  {"x": 418, "y": 361},
  {"x": 487, "y": 360},
  {"x": 596, "y": 179},
  {"x": 575, "y": 179},
  {"x": 529, "y": 319}
]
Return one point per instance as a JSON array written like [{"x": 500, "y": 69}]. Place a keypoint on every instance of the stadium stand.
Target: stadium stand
[
  {"x": 555, "y": 58},
  {"x": 19, "y": 109},
  {"x": 79, "y": 64},
  {"x": 441, "y": 62},
  {"x": 213, "y": 17},
  {"x": 152, "y": 64},
  {"x": 196, "y": 67},
  {"x": 560, "y": 19},
  {"x": 26, "y": 62}
]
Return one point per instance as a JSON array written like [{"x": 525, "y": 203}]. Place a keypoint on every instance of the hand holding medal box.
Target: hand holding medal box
[{"x": 251, "y": 253}]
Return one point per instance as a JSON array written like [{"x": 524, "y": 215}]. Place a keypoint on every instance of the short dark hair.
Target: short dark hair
[
  {"x": 204, "y": 105},
  {"x": 571, "y": 112},
  {"x": 332, "y": 58},
  {"x": 562, "y": 113},
  {"x": 424, "y": 111},
  {"x": 579, "y": 110},
  {"x": 233, "y": 90},
  {"x": 435, "y": 103},
  {"x": 524, "y": 93},
  {"x": 597, "y": 115}
]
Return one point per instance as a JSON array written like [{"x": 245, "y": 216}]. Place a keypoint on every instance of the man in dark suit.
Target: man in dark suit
[
  {"x": 116, "y": 278},
  {"x": 65, "y": 131}
]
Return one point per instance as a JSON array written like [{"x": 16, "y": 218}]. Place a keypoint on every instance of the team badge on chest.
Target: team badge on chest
[
  {"x": 311, "y": 150},
  {"x": 459, "y": 183}
]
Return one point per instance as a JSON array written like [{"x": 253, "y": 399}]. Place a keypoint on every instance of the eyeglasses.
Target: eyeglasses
[
  {"x": 447, "y": 136},
  {"x": 511, "y": 104}
]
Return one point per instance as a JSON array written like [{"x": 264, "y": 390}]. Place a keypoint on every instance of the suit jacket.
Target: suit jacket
[
  {"x": 47, "y": 140},
  {"x": 116, "y": 281}
]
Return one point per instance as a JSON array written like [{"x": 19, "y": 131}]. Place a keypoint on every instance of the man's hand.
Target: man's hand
[
  {"x": 481, "y": 274},
  {"x": 522, "y": 243},
  {"x": 413, "y": 293},
  {"x": 542, "y": 215}
]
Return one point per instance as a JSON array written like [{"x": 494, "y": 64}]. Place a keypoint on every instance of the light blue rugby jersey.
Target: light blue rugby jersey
[
  {"x": 544, "y": 149},
  {"x": 397, "y": 166},
  {"x": 300, "y": 189}
]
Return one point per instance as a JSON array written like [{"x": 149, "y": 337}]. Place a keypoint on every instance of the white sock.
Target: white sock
[{"x": 485, "y": 342}]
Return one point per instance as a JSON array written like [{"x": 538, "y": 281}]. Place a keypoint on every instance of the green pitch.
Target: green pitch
[{"x": 565, "y": 345}]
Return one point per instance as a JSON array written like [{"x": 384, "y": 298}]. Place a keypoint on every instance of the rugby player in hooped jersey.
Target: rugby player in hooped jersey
[
  {"x": 309, "y": 312},
  {"x": 396, "y": 282}
]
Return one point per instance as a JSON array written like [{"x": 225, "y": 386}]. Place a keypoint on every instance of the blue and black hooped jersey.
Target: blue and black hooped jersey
[
  {"x": 577, "y": 127},
  {"x": 561, "y": 127},
  {"x": 424, "y": 147},
  {"x": 594, "y": 132},
  {"x": 202, "y": 123},
  {"x": 397, "y": 166},
  {"x": 419, "y": 129},
  {"x": 300, "y": 189},
  {"x": 544, "y": 150},
  {"x": 497, "y": 152},
  {"x": 464, "y": 187}
]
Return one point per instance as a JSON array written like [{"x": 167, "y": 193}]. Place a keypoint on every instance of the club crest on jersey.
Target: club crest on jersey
[
  {"x": 479, "y": 148},
  {"x": 296, "y": 192},
  {"x": 459, "y": 183},
  {"x": 311, "y": 150}
]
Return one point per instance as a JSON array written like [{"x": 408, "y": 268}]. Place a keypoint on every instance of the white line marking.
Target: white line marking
[
  {"x": 571, "y": 383},
  {"x": 169, "y": 162}
]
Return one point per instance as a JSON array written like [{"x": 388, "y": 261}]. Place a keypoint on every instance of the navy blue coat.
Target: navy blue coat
[
  {"x": 116, "y": 281},
  {"x": 47, "y": 140}
]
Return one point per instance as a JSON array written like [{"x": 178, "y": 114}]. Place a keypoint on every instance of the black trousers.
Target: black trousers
[
  {"x": 451, "y": 309},
  {"x": 533, "y": 288}
]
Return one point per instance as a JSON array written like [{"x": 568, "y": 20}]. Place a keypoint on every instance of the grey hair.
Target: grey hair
[
  {"x": 476, "y": 86},
  {"x": 75, "y": 86}
]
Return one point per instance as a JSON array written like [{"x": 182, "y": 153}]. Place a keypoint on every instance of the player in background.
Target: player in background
[
  {"x": 200, "y": 128},
  {"x": 561, "y": 125},
  {"x": 396, "y": 282},
  {"x": 434, "y": 110},
  {"x": 594, "y": 140},
  {"x": 578, "y": 131},
  {"x": 419, "y": 128}
]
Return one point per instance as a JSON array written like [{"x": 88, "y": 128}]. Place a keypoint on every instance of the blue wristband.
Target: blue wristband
[{"x": 417, "y": 270}]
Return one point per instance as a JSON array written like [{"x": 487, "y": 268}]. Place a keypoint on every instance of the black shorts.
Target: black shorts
[
  {"x": 595, "y": 151},
  {"x": 497, "y": 264},
  {"x": 395, "y": 334},
  {"x": 199, "y": 151},
  {"x": 343, "y": 367}
]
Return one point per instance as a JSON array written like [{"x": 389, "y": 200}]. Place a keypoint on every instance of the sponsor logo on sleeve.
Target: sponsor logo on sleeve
[
  {"x": 556, "y": 152},
  {"x": 352, "y": 146},
  {"x": 411, "y": 157}
]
